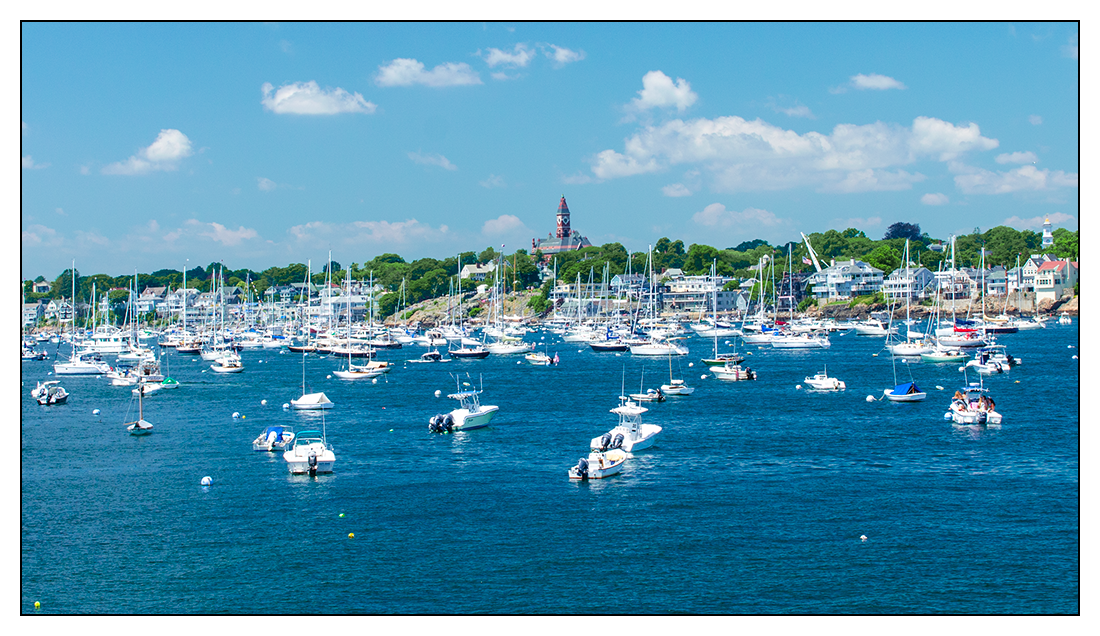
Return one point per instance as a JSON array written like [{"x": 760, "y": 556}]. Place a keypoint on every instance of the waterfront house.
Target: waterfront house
[
  {"x": 918, "y": 285},
  {"x": 846, "y": 280}
]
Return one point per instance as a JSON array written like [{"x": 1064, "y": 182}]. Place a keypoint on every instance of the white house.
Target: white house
[
  {"x": 845, "y": 280},
  {"x": 1054, "y": 278},
  {"x": 919, "y": 284},
  {"x": 477, "y": 272}
]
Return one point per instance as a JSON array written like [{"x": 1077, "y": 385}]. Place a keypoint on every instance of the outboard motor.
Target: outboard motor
[
  {"x": 618, "y": 441},
  {"x": 582, "y": 468},
  {"x": 605, "y": 441},
  {"x": 312, "y": 463},
  {"x": 448, "y": 423}
]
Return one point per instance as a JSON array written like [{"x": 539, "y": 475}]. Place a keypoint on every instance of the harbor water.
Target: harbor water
[{"x": 753, "y": 500}]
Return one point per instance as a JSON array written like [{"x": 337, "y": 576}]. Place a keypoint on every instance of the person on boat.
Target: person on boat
[{"x": 958, "y": 396}]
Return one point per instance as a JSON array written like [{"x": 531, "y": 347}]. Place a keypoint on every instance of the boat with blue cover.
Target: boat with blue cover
[{"x": 274, "y": 438}]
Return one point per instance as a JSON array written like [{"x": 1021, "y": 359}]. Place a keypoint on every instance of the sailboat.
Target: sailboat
[
  {"x": 675, "y": 386},
  {"x": 353, "y": 371},
  {"x": 310, "y": 401},
  {"x": 913, "y": 345},
  {"x": 140, "y": 427}
]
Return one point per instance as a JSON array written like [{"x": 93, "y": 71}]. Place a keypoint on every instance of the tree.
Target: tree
[
  {"x": 903, "y": 230},
  {"x": 1066, "y": 244},
  {"x": 748, "y": 246},
  {"x": 885, "y": 258}
]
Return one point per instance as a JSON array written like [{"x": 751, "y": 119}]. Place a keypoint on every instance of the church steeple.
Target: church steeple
[{"x": 563, "y": 219}]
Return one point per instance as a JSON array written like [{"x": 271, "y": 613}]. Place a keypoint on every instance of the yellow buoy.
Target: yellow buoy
[
  {"x": 351, "y": 535},
  {"x": 37, "y": 605}
]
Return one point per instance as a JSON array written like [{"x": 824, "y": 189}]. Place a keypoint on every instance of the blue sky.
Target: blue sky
[{"x": 145, "y": 146}]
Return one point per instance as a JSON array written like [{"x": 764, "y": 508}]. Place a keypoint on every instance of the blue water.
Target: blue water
[{"x": 752, "y": 501}]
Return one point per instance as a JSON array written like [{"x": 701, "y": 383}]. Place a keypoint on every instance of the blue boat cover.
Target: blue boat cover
[
  {"x": 278, "y": 430},
  {"x": 906, "y": 389}
]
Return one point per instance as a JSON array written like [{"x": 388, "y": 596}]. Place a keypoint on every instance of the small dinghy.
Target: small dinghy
[
  {"x": 274, "y": 438},
  {"x": 598, "y": 465}
]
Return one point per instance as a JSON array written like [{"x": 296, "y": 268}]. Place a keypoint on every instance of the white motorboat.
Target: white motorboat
[
  {"x": 469, "y": 415},
  {"x": 822, "y": 382},
  {"x": 311, "y": 454},
  {"x": 800, "y": 341},
  {"x": 598, "y": 465},
  {"x": 907, "y": 392},
  {"x": 504, "y": 347},
  {"x": 658, "y": 348},
  {"x": 84, "y": 363},
  {"x": 228, "y": 363},
  {"x": 49, "y": 393},
  {"x": 873, "y": 327},
  {"x": 971, "y": 405},
  {"x": 1064, "y": 319},
  {"x": 630, "y": 434},
  {"x": 274, "y": 438},
  {"x": 650, "y": 395},
  {"x": 541, "y": 359},
  {"x": 147, "y": 388},
  {"x": 733, "y": 371}
]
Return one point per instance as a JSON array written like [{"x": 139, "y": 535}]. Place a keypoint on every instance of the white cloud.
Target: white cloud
[
  {"x": 520, "y": 56},
  {"x": 164, "y": 153},
  {"x": 934, "y": 198},
  {"x": 40, "y": 236},
  {"x": 504, "y": 224},
  {"x": 409, "y": 72},
  {"x": 1070, "y": 50},
  {"x": 1036, "y": 222},
  {"x": 858, "y": 223},
  {"x": 745, "y": 155},
  {"x": 85, "y": 170},
  {"x": 384, "y": 233},
  {"x": 265, "y": 184},
  {"x": 716, "y": 215},
  {"x": 1016, "y": 157},
  {"x": 432, "y": 160},
  {"x": 494, "y": 181},
  {"x": 227, "y": 237},
  {"x": 1035, "y": 120},
  {"x": 27, "y": 163},
  {"x": 659, "y": 91},
  {"x": 874, "y": 81},
  {"x": 676, "y": 190},
  {"x": 61, "y": 211},
  {"x": 797, "y": 111},
  {"x": 563, "y": 56},
  {"x": 972, "y": 180},
  {"x": 501, "y": 76},
  {"x": 870, "y": 180},
  {"x": 307, "y": 98}
]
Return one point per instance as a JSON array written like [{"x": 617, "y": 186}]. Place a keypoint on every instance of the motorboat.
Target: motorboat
[
  {"x": 310, "y": 454},
  {"x": 147, "y": 388},
  {"x": 873, "y": 327},
  {"x": 1064, "y": 319},
  {"x": 503, "y": 347},
  {"x": 469, "y": 415},
  {"x": 822, "y": 382},
  {"x": 971, "y": 405},
  {"x": 801, "y": 341},
  {"x": 598, "y": 465},
  {"x": 945, "y": 354},
  {"x": 274, "y": 438},
  {"x": 630, "y": 434},
  {"x": 227, "y": 363},
  {"x": 658, "y": 348},
  {"x": 733, "y": 372},
  {"x": 650, "y": 395},
  {"x": 49, "y": 393},
  {"x": 907, "y": 392},
  {"x": 430, "y": 356},
  {"x": 540, "y": 359},
  {"x": 82, "y": 363},
  {"x": 721, "y": 359},
  {"x": 991, "y": 360}
]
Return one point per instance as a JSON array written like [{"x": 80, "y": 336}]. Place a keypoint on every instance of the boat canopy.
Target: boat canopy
[
  {"x": 278, "y": 430},
  {"x": 307, "y": 437},
  {"x": 906, "y": 389}
]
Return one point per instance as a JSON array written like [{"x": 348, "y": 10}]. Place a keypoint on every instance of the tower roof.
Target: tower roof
[{"x": 562, "y": 207}]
